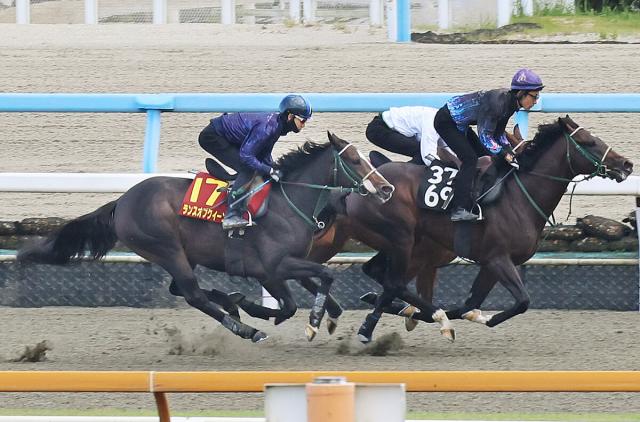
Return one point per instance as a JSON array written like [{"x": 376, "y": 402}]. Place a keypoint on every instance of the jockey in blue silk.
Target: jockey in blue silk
[
  {"x": 244, "y": 142},
  {"x": 490, "y": 111}
]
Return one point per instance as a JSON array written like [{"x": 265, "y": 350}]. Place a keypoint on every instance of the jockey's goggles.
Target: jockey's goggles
[{"x": 302, "y": 119}]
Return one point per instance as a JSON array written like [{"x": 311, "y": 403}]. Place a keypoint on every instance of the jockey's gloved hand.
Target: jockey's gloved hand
[
  {"x": 511, "y": 159},
  {"x": 275, "y": 175}
]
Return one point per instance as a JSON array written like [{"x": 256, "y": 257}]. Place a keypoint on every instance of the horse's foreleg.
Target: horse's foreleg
[
  {"x": 430, "y": 313},
  {"x": 480, "y": 289},
  {"x": 508, "y": 275},
  {"x": 297, "y": 268},
  {"x": 365, "y": 333},
  {"x": 334, "y": 310}
]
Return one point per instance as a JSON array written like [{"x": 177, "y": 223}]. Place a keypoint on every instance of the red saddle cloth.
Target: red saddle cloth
[{"x": 206, "y": 199}]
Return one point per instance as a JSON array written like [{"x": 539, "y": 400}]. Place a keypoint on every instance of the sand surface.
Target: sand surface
[
  {"x": 135, "y": 339},
  {"x": 213, "y": 58}
]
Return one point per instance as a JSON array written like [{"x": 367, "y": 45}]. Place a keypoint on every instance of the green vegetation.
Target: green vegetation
[{"x": 611, "y": 25}]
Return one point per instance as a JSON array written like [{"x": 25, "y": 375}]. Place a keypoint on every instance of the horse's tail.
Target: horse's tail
[{"x": 93, "y": 232}]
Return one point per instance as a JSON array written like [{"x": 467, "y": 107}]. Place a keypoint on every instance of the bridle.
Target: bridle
[
  {"x": 323, "y": 199},
  {"x": 598, "y": 163},
  {"x": 365, "y": 179}
]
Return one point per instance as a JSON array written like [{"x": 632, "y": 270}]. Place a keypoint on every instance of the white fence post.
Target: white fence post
[
  {"x": 269, "y": 301},
  {"x": 569, "y": 6},
  {"x": 228, "y": 12},
  {"x": 505, "y": 10},
  {"x": 375, "y": 12},
  {"x": 23, "y": 15},
  {"x": 392, "y": 20},
  {"x": 294, "y": 10},
  {"x": 159, "y": 11},
  {"x": 90, "y": 12},
  {"x": 443, "y": 14},
  {"x": 638, "y": 234},
  {"x": 249, "y": 15},
  {"x": 527, "y": 7},
  {"x": 309, "y": 11}
]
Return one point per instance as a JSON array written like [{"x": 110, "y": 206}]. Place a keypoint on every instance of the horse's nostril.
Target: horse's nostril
[
  {"x": 628, "y": 166},
  {"x": 388, "y": 189}
]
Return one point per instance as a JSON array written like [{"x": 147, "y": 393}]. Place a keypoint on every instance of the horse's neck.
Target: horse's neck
[
  {"x": 319, "y": 172},
  {"x": 546, "y": 192}
]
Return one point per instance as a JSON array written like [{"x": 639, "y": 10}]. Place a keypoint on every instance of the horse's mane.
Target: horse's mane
[
  {"x": 301, "y": 156},
  {"x": 547, "y": 134}
]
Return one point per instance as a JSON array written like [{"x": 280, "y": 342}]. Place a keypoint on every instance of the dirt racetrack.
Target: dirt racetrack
[
  {"x": 212, "y": 58},
  {"x": 186, "y": 340}
]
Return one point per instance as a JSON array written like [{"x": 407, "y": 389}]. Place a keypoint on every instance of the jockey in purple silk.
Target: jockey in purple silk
[
  {"x": 490, "y": 111},
  {"x": 245, "y": 141}
]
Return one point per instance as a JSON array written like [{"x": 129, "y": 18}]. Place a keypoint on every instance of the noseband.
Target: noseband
[
  {"x": 347, "y": 170},
  {"x": 323, "y": 198},
  {"x": 600, "y": 166}
]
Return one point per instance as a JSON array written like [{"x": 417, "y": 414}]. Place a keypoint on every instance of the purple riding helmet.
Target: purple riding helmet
[{"x": 527, "y": 80}]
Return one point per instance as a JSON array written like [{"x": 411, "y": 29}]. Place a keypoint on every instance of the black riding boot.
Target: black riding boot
[
  {"x": 460, "y": 214},
  {"x": 233, "y": 217}
]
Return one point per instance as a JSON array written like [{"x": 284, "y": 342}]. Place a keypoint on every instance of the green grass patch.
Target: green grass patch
[
  {"x": 623, "y": 23},
  {"x": 608, "y": 25}
]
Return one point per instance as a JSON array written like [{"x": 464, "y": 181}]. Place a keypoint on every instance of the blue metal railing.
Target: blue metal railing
[{"x": 154, "y": 104}]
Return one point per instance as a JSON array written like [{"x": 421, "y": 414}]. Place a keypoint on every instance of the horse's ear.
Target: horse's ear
[
  {"x": 331, "y": 136},
  {"x": 568, "y": 122},
  {"x": 517, "y": 133}
]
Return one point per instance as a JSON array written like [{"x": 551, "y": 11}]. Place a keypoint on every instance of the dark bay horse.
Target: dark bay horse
[
  {"x": 407, "y": 236},
  {"x": 145, "y": 219}
]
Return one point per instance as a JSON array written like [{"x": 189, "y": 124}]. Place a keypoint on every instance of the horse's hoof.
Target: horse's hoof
[
  {"x": 408, "y": 311},
  {"x": 410, "y": 324},
  {"x": 310, "y": 331},
  {"x": 369, "y": 298},
  {"x": 364, "y": 339},
  {"x": 259, "y": 336},
  {"x": 449, "y": 334},
  {"x": 332, "y": 324},
  {"x": 235, "y": 297},
  {"x": 475, "y": 315}
]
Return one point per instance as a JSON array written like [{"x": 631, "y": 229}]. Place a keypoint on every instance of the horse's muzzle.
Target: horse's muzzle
[
  {"x": 621, "y": 173},
  {"x": 386, "y": 192}
]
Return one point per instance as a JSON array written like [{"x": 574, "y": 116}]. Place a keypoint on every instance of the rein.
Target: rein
[
  {"x": 323, "y": 198},
  {"x": 600, "y": 170}
]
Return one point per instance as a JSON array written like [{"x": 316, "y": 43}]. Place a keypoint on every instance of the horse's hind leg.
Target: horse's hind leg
[
  {"x": 213, "y": 295},
  {"x": 185, "y": 281},
  {"x": 281, "y": 292},
  {"x": 334, "y": 310}
]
